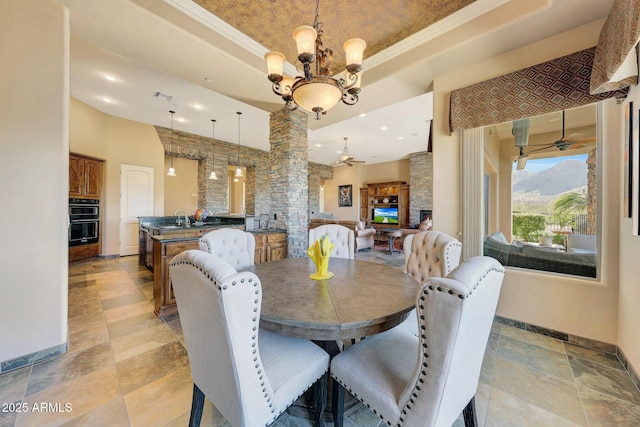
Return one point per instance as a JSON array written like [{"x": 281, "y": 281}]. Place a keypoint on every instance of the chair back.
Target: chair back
[
  {"x": 456, "y": 314},
  {"x": 219, "y": 313},
  {"x": 341, "y": 236},
  {"x": 430, "y": 253},
  {"x": 235, "y": 246}
]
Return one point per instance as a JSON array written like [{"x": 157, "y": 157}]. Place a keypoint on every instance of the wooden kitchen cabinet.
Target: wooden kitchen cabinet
[
  {"x": 276, "y": 246},
  {"x": 85, "y": 177}
]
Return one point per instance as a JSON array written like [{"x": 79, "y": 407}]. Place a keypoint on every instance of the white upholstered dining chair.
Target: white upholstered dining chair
[
  {"x": 342, "y": 237},
  {"x": 235, "y": 246},
  {"x": 430, "y": 379},
  {"x": 250, "y": 375},
  {"x": 428, "y": 254}
]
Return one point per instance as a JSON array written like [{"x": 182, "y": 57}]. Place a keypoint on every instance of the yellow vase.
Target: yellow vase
[{"x": 320, "y": 252}]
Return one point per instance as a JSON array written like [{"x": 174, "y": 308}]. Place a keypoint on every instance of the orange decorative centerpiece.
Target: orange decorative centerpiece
[{"x": 320, "y": 252}]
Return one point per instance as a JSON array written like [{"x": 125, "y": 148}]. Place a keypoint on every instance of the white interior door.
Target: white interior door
[{"x": 136, "y": 199}]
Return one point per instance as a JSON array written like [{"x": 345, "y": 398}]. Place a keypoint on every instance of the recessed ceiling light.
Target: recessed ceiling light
[
  {"x": 198, "y": 107},
  {"x": 401, "y": 138},
  {"x": 318, "y": 145},
  {"x": 180, "y": 119},
  {"x": 362, "y": 114},
  {"x": 384, "y": 128},
  {"x": 106, "y": 99},
  {"x": 110, "y": 77}
]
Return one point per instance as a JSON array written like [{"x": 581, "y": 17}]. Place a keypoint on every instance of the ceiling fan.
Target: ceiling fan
[
  {"x": 346, "y": 157},
  {"x": 574, "y": 140}
]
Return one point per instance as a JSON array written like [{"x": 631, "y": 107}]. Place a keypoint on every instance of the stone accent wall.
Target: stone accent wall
[
  {"x": 591, "y": 192},
  {"x": 317, "y": 173},
  {"x": 212, "y": 194},
  {"x": 288, "y": 176},
  {"x": 421, "y": 181}
]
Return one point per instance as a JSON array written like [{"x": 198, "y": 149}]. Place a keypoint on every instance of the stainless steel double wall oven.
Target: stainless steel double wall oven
[{"x": 84, "y": 221}]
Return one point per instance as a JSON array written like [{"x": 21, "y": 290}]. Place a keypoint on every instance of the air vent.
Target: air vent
[{"x": 163, "y": 96}]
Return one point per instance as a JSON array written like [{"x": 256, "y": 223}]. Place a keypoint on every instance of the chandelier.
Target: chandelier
[{"x": 316, "y": 93}]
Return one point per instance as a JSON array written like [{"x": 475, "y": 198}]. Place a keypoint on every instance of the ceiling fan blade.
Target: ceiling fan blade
[
  {"x": 587, "y": 140},
  {"x": 574, "y": 137},
  {"x": 348, "y": 163},
  {"x": 540, "y": 149}
]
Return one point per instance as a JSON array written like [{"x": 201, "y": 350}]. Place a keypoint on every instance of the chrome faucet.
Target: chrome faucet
[{"x": 181, "y": 221}]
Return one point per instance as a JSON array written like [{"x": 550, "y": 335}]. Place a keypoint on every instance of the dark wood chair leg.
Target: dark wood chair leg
[
  {"x": 320, "y": 399},
  {"x": 469, "y": 414},
  {"x": 197, "y": 403},
  {"x": 337, "y": 403}
]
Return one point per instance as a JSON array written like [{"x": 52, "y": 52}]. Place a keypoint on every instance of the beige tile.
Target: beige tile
[
  {"x": 543, "y": 341},
  {"x": 142, "y": 341},
  {"x": 605, "y": 410},
  {"x": 84, "y": 294},
  {"x": 211, "y": 417},
  {"x": 539, "y": 358},
  {"x": 90, "y": 320},
  {"x": 113, "y": 413},
  {"x": 133, "y": 324},
  {"x": 13, "y": 384},
  {"x": 83, "y": 393},
  {"x": 127, "y": 311},
  {"x": 140, "y": 370},
  {"x": 69, "y": 366},
  {"x": 162, "y": 400},
  {"x": 602, "y": 358},
  {"x": 538, "y": 389},
  {"x": 83, "y": 339},
  {"x": 116, "y": 289},
  {"x": 507, "y": 410},
  {"x": 614, "y": 382},
  {"x": 132, "y": 298}
]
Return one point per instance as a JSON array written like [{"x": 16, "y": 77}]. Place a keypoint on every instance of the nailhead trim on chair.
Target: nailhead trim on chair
[
  {"x": 423, "y": 372},
  {"x": 254, "y": 339}
]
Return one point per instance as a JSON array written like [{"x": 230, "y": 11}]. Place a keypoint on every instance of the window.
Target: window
[{"x": 547, "y": 218}]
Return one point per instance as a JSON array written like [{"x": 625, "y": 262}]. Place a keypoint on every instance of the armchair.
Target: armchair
[{"x": 364, "y": 236}]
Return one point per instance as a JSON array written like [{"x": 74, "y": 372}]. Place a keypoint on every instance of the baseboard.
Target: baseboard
[
  {"x": 29, "y": 359},
  {"x": 576, "y": 340}
]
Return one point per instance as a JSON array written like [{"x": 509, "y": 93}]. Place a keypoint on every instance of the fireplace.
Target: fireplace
[{"x": 424, "y": 213}]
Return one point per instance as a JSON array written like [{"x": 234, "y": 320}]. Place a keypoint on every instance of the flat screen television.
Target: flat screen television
[{"x": 385, "y": 215}]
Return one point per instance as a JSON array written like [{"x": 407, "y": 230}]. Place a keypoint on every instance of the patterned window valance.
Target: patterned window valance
[
  {"x": 615, "y": 64},
  {"x": 554, "y": 85}
]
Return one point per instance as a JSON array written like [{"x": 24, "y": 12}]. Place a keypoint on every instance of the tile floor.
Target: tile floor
[{"x": 127, "y": 367}]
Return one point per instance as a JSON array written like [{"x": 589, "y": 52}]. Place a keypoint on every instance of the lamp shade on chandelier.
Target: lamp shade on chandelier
[{"x": 316, "y": 93}]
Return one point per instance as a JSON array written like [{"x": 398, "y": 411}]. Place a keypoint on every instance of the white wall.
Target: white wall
[
  {"x": 629, "y": 267},
  {"x": 34, "y": 47},
  {"x": 583, "y": 307},
  {"x": 116, "y": 141}
]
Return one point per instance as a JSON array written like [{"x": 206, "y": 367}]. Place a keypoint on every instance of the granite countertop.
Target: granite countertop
[{"x": 185, "y": 238}]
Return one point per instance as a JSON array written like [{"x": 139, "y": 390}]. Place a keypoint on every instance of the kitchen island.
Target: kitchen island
[{"x": 271, "y": 245}]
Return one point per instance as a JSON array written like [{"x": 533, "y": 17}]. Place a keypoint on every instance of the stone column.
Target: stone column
[{"x": 288, "y": 176}]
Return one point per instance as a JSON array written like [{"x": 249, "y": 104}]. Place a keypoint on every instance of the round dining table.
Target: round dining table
[{"x": 361, "y": 299}]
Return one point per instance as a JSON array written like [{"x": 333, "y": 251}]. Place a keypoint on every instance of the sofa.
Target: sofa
[
  {"x": 535, "y": 258},
  {"x": 364, "y": 236}
]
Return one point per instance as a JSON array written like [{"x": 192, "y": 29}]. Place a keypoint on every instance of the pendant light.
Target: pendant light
[
  {"x": 213, "y": 154},
  {"x": 172, "y": 171},
  {"x": 238, "y": 174}
]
